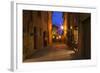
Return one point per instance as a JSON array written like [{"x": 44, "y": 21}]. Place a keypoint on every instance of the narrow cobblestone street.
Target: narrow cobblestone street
[
  {"x": 56, "y": 35},
  {"x": 53, "y": 53}
]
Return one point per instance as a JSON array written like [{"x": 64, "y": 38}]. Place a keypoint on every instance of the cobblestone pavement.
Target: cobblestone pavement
[{"x": 54, "y": 53}]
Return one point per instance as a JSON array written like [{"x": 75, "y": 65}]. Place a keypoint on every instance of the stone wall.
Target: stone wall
[{"x": 35, "y": 23}]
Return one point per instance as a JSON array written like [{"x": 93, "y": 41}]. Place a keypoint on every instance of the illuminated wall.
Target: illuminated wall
[
  {"x": 35, "y": 31},
  {"x": 50, "y": 27}
]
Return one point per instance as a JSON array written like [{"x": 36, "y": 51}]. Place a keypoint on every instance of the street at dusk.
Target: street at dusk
[{"x": 56, "y": 36}]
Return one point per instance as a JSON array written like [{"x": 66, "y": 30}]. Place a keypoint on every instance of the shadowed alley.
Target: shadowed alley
[{"x": 53, "y": 53}]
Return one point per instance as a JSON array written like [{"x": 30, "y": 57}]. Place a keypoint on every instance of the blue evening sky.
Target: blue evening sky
[{"x": 57, "y": 18}]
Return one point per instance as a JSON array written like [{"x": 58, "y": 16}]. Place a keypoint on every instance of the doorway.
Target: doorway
[
  {"x": 35, "y": 38},
  {"x": 86, "y": 38},
  {"x": 44, "y": 39}
]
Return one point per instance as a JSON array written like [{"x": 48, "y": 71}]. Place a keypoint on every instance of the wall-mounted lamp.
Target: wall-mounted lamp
[{"x": 70, "y": 27}]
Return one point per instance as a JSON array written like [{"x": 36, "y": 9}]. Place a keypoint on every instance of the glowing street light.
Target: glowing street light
[
  {"x": 62, "y": 27},
  {"x": 71, "y": 27},
  {"x": 53, "y": 37},
  {"x": 59, "y": 37}
]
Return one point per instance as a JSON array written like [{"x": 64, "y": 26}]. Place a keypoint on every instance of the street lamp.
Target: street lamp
[
  {"x": 62, "y": 27},
  {"x": 71, "y": 27}
]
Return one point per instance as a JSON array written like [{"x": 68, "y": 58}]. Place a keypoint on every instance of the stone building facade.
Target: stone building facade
[{"x": 35, "y": 31}]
